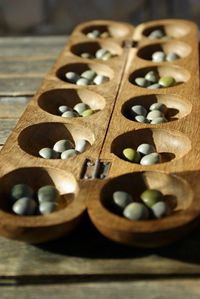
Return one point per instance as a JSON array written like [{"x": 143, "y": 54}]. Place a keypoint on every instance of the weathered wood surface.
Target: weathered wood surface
[
  {"x": 93, "y": 290},
  {"x": 85, "y": 260}
]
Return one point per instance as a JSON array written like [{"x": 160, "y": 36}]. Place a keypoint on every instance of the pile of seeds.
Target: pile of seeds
[
  {"x": 145, "y": 154},
  {"x": 88, "y": 77},
  {"x": 160, "y": 56},
  {"x": 156, "y": 114},
  {"x": 80, "y": 109},
  {"x": 25, "y": 201},
  {"x": 150, "y": 205},
  {"x": 152, "y": 80},
  {"x": 64, "y": 149},
  {"x": 97, "y": 34},
  {"x": 157, "y": 34},
  {"x": 102, "y": 54}
]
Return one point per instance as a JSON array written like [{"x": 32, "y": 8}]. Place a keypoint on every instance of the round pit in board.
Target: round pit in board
[
  {"x": 42, "y": 139},
  {"x": 167, "y": 30},
  {"x": 63, "y": 101},
  {"x": 158, "y": 77},
  {"x": 171, "y": 106},
  {"x": 101, "y": 50},
  {"x": 106, "y": 30},
  {"x": 35, "y": 191},
  {"x": 160, "y": 228},
  {"x": 83, "y": 74},
  {"x": 147, "y": 147}
]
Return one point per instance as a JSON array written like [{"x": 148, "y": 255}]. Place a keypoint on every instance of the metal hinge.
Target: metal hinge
[{"x": 95, "y": 169}]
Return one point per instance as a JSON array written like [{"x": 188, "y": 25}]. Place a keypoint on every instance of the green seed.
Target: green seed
[
  {"x": 87, "y": 112},
  {"x": 82, "y": 145},
  {"x": 89, "y": 75},
  {"x": 47, "y": 207},
  {"x": 48, "y": 153},
  {"x": 69, "y": 154},
  {"x": 136, "y": 211},
  {"x": 63, "y": 145},
  {"x": 131, "y": 155},
  {"x": 167, "y": 81},
  {"x": 160, "y": 209},
  {"x": 146, "y": 149},
  {"x": 158, "y": 106},
  {"x": 152, "y": 77},
  {"x": 142, "y": 82},
  {"x": 151, "y": 196},
  {"x": 47, "y": 193},
  {"x": 24, "y": 206},
  {"x": 150, "y": 159},
  {"x": 122, "y": 199},
  {"x": 21, "y": 190}
]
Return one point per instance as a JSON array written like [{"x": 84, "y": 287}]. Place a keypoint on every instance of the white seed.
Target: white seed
[
  {"x": 86, "y": 55},
  {"x": 158, "y": 106},
  {"x": 82, "y": 82},
  {"x": 81, "y": 107},
  {"x": 72, "y": 77},
  {"x": 136, "y": 211},
  {"x": 150, "y": 159},
  {"x": 64, "y": 108},
  {"x": 138, "y": 110},
  {"x": 122, "y": 199},
  {"x": 21, "y": 190},
  {"x": 99, "y": 79},
  {"x": 24, "y": 206},
  {"x": 141, "y": 119},
  {"x": 146, "y": 148},
  {"x": 47, "y": 193},
  {"x": 63, "y": 145},
  {"x": 160, "y": 209},
  {"x": 82, "y": 145},
  {"x": 154, "y": 114},
  {"x": 48, "y": 153},
  {"x": 154, "y": 86},
  {"x": 68, "y": 154},
  {"x": 89, "y": 75},
  {"x": 156, "y": 34},
  {"x": 70, "y": 114},
  {"x": 100, "y": 53},
  {"x": 172, "y": 56},
  {"x": 159, "y": 120},
  {"x": 158, "y": 56},
  {"x": 152, "y": 77},
  {"x": 47, "y": 207},
  {"x": 142, "y": 82}
]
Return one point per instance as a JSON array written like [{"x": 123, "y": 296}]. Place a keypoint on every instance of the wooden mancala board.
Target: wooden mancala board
[{"x": 87, "y": 181}]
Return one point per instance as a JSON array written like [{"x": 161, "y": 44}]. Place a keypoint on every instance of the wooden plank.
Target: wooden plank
[
  {"x": 16, "y": 68},
  {"x": 12, "y": 107},
  {"x": 86, "y": 252},
  {"x": 20, "y": 86},
  {"x": 31, "y": 46},
  {"x": 166, "y": 289},
  {"x": 6, "y": 125}
]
